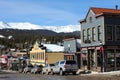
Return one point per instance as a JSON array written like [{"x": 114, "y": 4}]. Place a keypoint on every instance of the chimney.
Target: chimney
[{"x": 116, "y": 7}]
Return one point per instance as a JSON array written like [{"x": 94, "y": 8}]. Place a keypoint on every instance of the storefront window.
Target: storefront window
[
  {"x": 110, "y": 58},
  {"x": 99, "y": 58},
  {"x": 84, "y": 57},
  {"x": 118, "y": 58}
]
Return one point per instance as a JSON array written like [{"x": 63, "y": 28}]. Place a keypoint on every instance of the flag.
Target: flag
[{"x": 101, "y": 49}]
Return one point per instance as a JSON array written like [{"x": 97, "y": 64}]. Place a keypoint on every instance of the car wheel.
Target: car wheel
[
  {"x": 26, "y": 72},
  {"x": 74, "y": 73},
  {"x": 52, "y": 73},
  {"x": 20, "y": 70},
  {"x": 47, "y": 72},
  {"x": 34, "y": 72},
  {"x": 42, "y": 72},
  {"x": 61, "y": 73}
]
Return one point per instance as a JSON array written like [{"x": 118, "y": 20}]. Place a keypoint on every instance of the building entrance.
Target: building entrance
[{"x": 90, "y": 58}]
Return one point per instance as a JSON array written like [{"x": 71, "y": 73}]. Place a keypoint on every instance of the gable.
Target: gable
[
  {"x": 36, "y": 48},
  {"x": 97, "y": 12},
  {"x": 89, "y": 14}
]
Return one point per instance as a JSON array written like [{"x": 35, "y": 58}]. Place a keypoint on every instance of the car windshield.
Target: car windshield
[
  {"x": 51, "y": 64},
  {"x": 30, "y": 65},
  {"x": 70, "y": 62}
]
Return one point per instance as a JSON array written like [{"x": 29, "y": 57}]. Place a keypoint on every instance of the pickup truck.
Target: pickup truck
[{"x": 65, "y": 66}]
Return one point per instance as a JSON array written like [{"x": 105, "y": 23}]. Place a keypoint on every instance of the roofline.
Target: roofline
[
  {"x": 69, "y": 39},
  {"x": 98, "y": 15},
  {"x": 105, "y": 13},
  {"x": 105, "y": 8},
  {"x": 84, "y": 20}
]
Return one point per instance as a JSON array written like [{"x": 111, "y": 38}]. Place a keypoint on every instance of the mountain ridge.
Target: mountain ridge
[
  {"x": 11, "y": 37},
  {"x": 29, "y": 26},
  {"x": 43, "y": 32}
]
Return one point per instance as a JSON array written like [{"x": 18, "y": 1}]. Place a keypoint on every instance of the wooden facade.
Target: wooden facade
[
  {"x": 40, "y": 56},
  {"x": 100, "y": 40}
]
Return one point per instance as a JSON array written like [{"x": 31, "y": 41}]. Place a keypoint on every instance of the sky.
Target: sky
[{"x": 50, "y": 12}]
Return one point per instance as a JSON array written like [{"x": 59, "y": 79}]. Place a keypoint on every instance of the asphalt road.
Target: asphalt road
[{"x": 20, "y": 76}]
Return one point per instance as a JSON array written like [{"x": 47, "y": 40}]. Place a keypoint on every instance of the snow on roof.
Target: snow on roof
[
  {"x": 78, "y": 40},
  {"x": 53, "y": 48},
  {"x": 1, "y": 36}
]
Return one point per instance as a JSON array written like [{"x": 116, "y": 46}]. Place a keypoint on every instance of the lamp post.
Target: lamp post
[{"x": 102, "y": 56}]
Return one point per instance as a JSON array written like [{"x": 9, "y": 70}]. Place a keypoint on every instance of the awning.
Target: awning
[{"x": 3, "y": 56}]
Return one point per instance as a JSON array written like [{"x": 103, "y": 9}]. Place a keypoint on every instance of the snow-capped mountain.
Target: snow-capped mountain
[
  {"x": 4, "y": 25},
  {"x": 27, "y": 25}
]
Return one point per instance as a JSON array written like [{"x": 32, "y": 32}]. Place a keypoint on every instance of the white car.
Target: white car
[
  {"x": 37, "y": 69},
  {"x": 47, "y": 69},
  {"x": 28, "y": 68},
  {"x": 65, "y": 66}
]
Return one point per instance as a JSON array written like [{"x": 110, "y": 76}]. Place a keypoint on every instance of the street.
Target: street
[{"x": 21, "y": 76}]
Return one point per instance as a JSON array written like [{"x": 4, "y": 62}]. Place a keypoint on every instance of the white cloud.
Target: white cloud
[{"x": 25, "y": 25}]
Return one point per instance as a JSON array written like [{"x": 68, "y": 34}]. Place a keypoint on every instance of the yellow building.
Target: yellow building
[{"x": 46, "y": 53}]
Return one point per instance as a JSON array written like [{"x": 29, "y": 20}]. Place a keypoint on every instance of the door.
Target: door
[{"x": 90, "y": 58}]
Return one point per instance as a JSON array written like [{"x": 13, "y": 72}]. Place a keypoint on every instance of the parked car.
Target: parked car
[
  {"x": 28, "y": 68},
  {"x": 65, "y": 66},
  {"x": 47, "y": 69},
  {"x": 37, "y": 69},
  {"x": 22, "y": 64}
]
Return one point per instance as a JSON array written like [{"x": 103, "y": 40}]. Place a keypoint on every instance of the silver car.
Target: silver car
[
  {"x": 47, "y": 69},
  {"x": 65, "y": 66},
  {"x": 28, "y": 68},
  {"x": 37, "y": 69}
]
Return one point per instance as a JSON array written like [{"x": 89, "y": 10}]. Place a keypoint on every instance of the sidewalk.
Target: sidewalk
[
  {"x": 11, "y": 71},
  {"x": 98, "y": 73}
]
